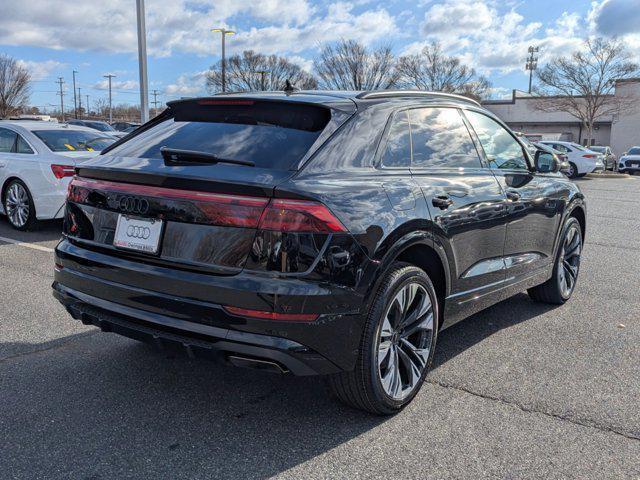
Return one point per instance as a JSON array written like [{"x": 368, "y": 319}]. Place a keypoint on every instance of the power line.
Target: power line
[
  {"x": 110, "y": 76},
  {"x": 61, "y": 93}
]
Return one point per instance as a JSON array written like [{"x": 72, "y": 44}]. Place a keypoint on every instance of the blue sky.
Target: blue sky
[{"x": 54, "y": 37}]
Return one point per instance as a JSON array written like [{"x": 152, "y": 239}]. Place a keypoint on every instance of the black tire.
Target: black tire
[
  {"x": 552, "y": 290},
  {"x": 30, "y": 222},
  {"x": 362, "y": 387},
  {"x": 573, "y": 173}
]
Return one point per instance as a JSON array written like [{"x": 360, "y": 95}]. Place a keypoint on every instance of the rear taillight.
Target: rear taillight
[
  {"x": 589, "y": 155},
  {"x": 299, "y": 216},
  {"x": 61, "y": 171},
  {"x": 286, "y": 317}
]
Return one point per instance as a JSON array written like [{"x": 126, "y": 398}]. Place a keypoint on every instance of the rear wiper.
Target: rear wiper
[{"x": 177, "y": 157}]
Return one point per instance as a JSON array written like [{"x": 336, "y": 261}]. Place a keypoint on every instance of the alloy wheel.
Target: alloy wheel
[
  {"x": 404, "y": 341},
  {"x": 17, "y": 205},
  {"x": 569, "y": 261}
]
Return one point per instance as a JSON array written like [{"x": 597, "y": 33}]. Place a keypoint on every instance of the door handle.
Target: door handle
[
  {"x": 513, "y": 196},
  {"x": 442, "y": 202}
]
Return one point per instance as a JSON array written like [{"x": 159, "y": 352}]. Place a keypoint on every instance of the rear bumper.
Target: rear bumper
[
  {"x": 146, "y": 302},
  {"x": 197, "y": 341}
]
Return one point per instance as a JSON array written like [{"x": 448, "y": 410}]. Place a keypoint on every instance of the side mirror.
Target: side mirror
[{"x": 546, "y": 162}]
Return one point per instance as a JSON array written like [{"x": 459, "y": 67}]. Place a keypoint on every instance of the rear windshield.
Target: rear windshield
[
  {"x": 73, "y": 140},
  {"x": 597, "y": 149},
  {"x": 270, "y": 134}
]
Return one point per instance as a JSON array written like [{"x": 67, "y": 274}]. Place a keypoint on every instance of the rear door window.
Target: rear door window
[
  {"x": 22, "y": 146},
  {"x": 440, "y": 139},
  {"x": 397, "y": 153},
  {"x": 7, "y": 140},
  {"x": 270, "y": 134}
]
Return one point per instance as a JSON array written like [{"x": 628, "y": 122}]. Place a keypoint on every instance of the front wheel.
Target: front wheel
[
  {"x": 397, "y": 346},
  {"x": 558, "y": 289},
  {"x": 573, "y": 170},
  {"x": 19, "y": 206}
]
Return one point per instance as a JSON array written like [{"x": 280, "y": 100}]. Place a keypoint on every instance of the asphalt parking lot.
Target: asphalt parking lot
[{"x": 521, "y": 390}]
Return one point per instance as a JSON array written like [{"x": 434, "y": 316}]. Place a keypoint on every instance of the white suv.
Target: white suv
[{"x": 581, "y": 159}]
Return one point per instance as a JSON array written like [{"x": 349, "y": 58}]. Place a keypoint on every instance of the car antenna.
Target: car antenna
[{"x": 288, "y": 88}]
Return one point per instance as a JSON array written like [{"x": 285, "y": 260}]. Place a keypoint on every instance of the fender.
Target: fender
[
  {"x": 384, "y": 258},
  {"x": 576, "y": 202}
]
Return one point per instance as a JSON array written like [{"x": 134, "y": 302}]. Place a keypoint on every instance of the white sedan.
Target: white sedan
[
  {"x": 581, "y": 160},
  {"x": 37, "y": 160}
]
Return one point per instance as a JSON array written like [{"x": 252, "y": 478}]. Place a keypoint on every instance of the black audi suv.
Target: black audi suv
[{"x": 317, "y": 233}]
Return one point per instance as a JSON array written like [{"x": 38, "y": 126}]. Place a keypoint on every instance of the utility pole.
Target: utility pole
[
  {"x": 60, "y": 82},
  {"x": 262, "y": 74},
  {"x": 79, "y": 101},
  {"x": 110, "y": 76},
  {"x": 142, "y": 62},
  {"x": 224, "y": 33},
  {"x": 75, "y": 102},
  {"x": 87, "y": 105},
  {"x": 155, "y": 102},
  {"x": 532, "y": 63}
]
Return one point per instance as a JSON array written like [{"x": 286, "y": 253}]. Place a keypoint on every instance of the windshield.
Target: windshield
[
  {"x": 598, "y": 149},
  {"x": 634, "y": 151},
  {"x": 579, "y": 147},
  {"x": 269, "y": 134},
  {"x": 73, "y": 140}
]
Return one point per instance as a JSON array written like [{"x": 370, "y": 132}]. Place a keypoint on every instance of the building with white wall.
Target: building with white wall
[{"x": 620, "y": 131}]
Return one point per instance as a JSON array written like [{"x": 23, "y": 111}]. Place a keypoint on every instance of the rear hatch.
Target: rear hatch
[{"x": 196, "y": 181}]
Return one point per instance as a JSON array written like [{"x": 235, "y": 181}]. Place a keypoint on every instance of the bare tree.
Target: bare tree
[
  {"x": 349, "y": 65},
  {"x": 433, "y": 70},
  {"x": 251, "y": 71},
  {"x": 14, "y": 86},
  {"x": 583, "y": 84}
]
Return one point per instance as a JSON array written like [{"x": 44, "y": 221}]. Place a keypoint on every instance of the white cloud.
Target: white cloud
[
  {"x": 116, "y": 84},
  {"x": 187, "y": 85},
  {"x": 41, "y": 70},
  {"x": 617, "y": 17}
]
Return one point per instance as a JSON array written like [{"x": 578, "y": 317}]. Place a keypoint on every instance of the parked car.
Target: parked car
[
  {"x": 317, "y": 233},
  {"x": 37, "y": 160},
  {"x": 609, "y": 159},
  {"x": 124, "y": 126},
  {"x": 97, "y": 125},
  {"x": 581, "y": 160},
  {"x": 630, "y": 161}
]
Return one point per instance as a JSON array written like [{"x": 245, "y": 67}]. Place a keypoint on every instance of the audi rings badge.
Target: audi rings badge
[
  {"x": 129, "y": 204},
  {"x": 135, "y": 231}
]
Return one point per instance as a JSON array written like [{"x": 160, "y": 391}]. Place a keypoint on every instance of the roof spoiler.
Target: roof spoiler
[{"x": 414, "y": 93}]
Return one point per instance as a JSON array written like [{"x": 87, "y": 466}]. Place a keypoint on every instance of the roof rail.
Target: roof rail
[{"x": 414, "y": 93}]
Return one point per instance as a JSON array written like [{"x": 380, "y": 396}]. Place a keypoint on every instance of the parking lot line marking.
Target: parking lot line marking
[{"x": 26, "y": 244}]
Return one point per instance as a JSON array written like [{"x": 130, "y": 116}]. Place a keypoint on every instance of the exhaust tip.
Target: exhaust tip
[{"x": 256, "y": 364}]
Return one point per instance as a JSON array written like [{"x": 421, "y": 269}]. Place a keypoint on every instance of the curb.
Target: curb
[{"x": 609, "y": 175}]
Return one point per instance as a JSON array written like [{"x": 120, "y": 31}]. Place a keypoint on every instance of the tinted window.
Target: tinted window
[
  {"x": 634, "y": 151},
  {"x": 22, "y": 146},
  {"x": 103, "y": 127},
  {"x": 398, "y": 150},
  {"x": 64, "y": 140},
  {"x": 561, "y": 148},
  {"x": 270, "y": 134},
  {"x": 7, "y": 140},
  {"x": 502, "y": 150},
  {"x": 441, "y": 139}
]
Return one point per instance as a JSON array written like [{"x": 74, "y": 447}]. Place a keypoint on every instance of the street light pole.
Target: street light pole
[
  {"x": 532, "y": 63},
  {"x": 142, "y": 63},
  {"x": 75, "y": 102},
  {"x": 110, "y": 76},
  {"x": 224, "y": 32},
  {"x": 79, "y": 100},
  {"x": 60, "y": 82}
]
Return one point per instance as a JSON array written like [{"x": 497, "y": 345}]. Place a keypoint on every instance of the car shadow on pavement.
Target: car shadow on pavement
[
  {"x": 102, "y": 406},
  {"x": 473, "y": 330},
  {"x": 46, "y": 231}
]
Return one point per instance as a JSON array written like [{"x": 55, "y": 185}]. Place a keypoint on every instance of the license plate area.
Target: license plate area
[{"x": 138, "y": 234}]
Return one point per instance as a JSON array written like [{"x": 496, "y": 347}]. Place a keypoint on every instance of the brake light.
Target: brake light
[
  {"x": 299, "y": 216},
  {"x": 589, "y": 155},
  {"x": 287, "y": 317},
  {"x": 61, "y": 171}
]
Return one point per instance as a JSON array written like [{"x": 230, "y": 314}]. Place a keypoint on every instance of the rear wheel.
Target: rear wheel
[
  {"x": 573, "y": 170},
  {"x": 560, "y": 286},
  {"x": 18, "y": 206},
  {"x": 397, "y": 346}
]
